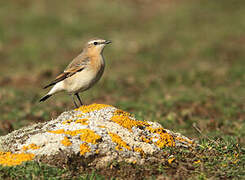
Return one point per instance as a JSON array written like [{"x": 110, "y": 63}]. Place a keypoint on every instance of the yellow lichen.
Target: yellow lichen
[
  {"x": 118, "y": 148},
  {"x": 89, "y": 136},
  {"x": 9, "y": 159},
  {"x": 120, "y": 143},
  {"x": 123, "y": 119},
  {"x": 165, "y": 138},
  {"x": 197, "y": 162},
  {"x": 82, "y": 121},
  {"x": 31, "y": 146},
  {"x": 236, "y": 161},
  {"x": 66, "y": 141},
  {"x": 134, "y": 162},
  {"x": 84, "y": 148},
  {"x": 92, "y": 107}
]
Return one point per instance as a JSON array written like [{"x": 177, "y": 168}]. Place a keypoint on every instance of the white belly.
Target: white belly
[{"x": 81, "y": 81}]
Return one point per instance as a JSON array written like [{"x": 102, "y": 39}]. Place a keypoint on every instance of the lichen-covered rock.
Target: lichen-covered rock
[{"x": 93, "y": 135}]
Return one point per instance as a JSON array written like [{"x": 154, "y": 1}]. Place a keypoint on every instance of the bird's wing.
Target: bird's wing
[
  {"x": 80, "y": 60},
  {"x": 75, "y": 66}
]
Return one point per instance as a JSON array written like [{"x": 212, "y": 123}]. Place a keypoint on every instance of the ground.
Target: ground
[{"x": 180, "y": 63}]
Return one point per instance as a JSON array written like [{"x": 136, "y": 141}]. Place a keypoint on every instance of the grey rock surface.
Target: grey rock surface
[{"x": 95, "y": 134}]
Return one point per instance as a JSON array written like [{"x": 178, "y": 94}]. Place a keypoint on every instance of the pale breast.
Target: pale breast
[{"x": 85, "y": 79}]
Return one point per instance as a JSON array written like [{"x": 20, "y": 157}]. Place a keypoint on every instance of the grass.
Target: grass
[{"x": 178, "y": 63}]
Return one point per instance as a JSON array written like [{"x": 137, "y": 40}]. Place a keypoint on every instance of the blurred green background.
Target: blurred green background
[{"x": 176, "y": 62}]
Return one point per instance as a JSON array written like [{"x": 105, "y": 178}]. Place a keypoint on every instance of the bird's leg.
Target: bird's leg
[
  {"x": 78, "y": 97},
  {"x": 74, "y": 102}
]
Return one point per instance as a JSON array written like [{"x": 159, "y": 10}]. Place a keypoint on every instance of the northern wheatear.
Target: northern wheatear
[{"x": 82, "y": 73}]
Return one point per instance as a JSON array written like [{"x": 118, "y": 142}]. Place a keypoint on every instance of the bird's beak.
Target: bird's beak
[{"x": 107, "y": 42}]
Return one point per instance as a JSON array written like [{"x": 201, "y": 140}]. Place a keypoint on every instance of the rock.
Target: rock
[{"x": 92, "y": 135}]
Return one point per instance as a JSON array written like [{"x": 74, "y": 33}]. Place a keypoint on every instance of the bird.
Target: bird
[{"x": 82, "y": 73}]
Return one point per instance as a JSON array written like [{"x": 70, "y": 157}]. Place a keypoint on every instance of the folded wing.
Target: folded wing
[{"x": 67, "y": 73}]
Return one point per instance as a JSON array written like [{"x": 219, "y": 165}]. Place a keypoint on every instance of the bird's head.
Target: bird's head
[{"x": 96, "y": 46}]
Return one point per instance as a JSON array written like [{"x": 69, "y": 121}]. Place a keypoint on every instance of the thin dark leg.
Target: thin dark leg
[
  {"x": 74, "y": 102},
  {"x": 78, "y": 97}
]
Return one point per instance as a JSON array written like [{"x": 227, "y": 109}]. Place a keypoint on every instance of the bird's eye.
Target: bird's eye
[{"x": 95, "y": 43}]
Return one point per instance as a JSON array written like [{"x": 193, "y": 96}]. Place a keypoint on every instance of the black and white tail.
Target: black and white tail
[{"x": 45, "y": 97}]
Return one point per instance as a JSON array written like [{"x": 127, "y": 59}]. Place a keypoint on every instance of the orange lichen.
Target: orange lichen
[
  {"x": 140, "y": 150},
  {"x": 59, "y": 131},
  {"x": 69, "y": 121},
  {"x": 121, "y": 112},
  {"x": 171, "y": 160},
  {"x": 71, "y": 133},
  {"x": 66, "y": 141},
  {"x": 123, "y": 119},
  {"x": 165, "y": 139},
  {"x": 92, "y": 107},
  {"x": 143, "y": 138},
  {"x": 82, "y": 121},
  {"x": 74, "y": 133},
  {"x": 84, "y": 148},
  {"x": 156, "y": 130},
  {"x": 101, "y": 126},
  {"x": 120, "y": 143},
  {"x": 89, "y": 136},
  {"x": 31, "y": 146},
  {"x": 9, "y": 159}
]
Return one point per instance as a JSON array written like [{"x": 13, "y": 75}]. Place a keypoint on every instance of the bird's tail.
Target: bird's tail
[{"x": 45, "y": 97}]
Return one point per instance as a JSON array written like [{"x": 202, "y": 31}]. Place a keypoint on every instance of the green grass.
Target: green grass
[{"x": 178, "y": 63}]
